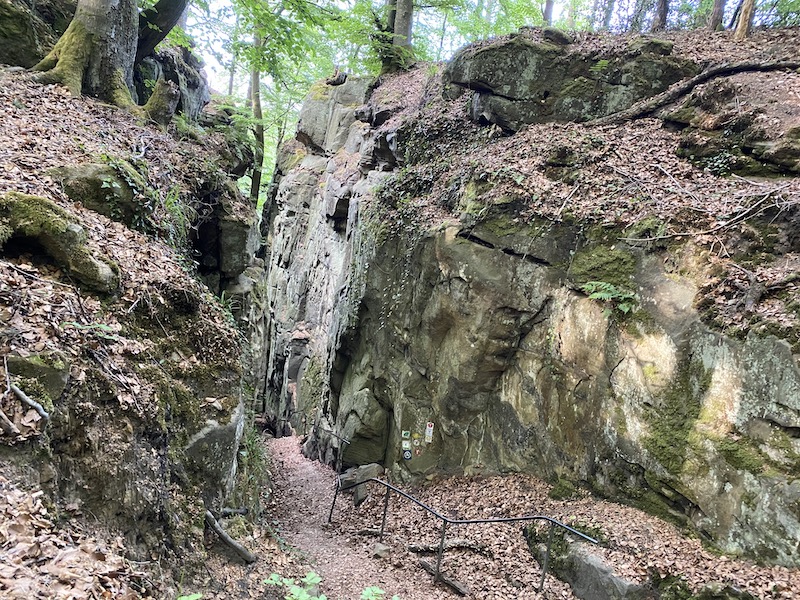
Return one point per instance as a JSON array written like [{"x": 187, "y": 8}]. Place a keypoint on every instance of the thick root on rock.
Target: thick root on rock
[{"x": 67, "y": 61}]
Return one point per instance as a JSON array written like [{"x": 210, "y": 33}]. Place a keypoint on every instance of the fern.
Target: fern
[{"x": 620, "y": 299}]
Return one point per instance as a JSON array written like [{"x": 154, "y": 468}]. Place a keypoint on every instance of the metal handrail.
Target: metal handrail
[{"x": 450, "y": 521}]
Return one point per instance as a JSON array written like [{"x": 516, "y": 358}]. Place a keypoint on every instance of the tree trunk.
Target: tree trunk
[
  {"x": 95, "y": 55},
  {"x": 660, "y": 20},
  {"x": 608, "y": 15},
  {"x": 403, "y": 22},
  {"x": 639, "y": 12},
  {"x": 717, "y": 12},
  {"x": 156, "y": 22},
  {"x": 547, "y": 15},
  {"x": 258, "y": 129},
  {"x": 745, "y": 21}
]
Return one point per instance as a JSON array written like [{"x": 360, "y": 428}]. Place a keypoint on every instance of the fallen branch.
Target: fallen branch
[
  {"x": 243, "y": 552},
  {"x": 7, "y": 426},
  {"x": 681, "y": 88},
  {"x": 32, "y": 403},
  {"x": 747, "y": 213},
  {"x": 458, "y": 587}
]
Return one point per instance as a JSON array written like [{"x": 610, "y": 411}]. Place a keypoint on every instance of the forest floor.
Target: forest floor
[{"x": 497, "y": 564}]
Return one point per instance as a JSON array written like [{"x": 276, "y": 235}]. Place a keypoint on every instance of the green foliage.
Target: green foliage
[
  {"x": 191, "y": 597},
  {"x": 618, "y": 299},
  {"x": 306, "y": 588}
]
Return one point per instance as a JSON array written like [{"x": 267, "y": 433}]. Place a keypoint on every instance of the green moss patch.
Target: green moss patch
[
  {"x": 603, "y": 263},
  {"x": 672, "y": 420}
]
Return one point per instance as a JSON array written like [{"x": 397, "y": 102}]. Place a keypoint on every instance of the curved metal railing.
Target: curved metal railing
[{"x": 446, "y": 521}]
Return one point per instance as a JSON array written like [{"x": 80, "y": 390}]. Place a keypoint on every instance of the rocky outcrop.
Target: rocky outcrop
[
  {"x": 527, "y": 78},
  {"x": 488, "y": 339},
  {"x": 24, "y": 37},
  {"x": 32, "y": 219},
  {"x": 180, "y": 66},
  {"x": 723, "y": 137}
]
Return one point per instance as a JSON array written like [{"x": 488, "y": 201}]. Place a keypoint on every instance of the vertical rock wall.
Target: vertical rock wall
[{"x": 465, "y": 346}]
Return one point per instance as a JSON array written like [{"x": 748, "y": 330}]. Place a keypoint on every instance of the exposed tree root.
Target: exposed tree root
[
  {"x": 677, "y": 90},
  {"x": 68, "y": 59},
  {"x": 67, "y": 62}
]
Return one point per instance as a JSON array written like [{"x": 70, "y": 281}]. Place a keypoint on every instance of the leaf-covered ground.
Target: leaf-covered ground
[{"x": 626, "y": 174}]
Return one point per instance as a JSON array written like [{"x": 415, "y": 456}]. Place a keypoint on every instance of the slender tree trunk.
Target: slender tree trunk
[
  {"x": 391, "y": 14},
  {"x": 441, "y": 37},
  {"x": 745, "y": 21},
  {"x": 660, "y": 20},
  {"x": 608, "y": 15},
  {"x": 639, "y": 11},
  {"x": 96, "y": 53},
  {"x": 571, "y": 15},
  {"x": 403, "y": 22},
  {"x": 156, "y": 22},
  {"x": 717, "y": 12},
  {"x": 547, "y": 15},
  {"x": 736, "y": 14},
  {"x": 258, "y": 129}
]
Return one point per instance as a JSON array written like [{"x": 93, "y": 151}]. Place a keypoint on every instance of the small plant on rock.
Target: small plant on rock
[{"x": 615, "y": 298}]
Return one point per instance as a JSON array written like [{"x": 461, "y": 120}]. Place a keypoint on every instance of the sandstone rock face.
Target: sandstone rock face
[
  {"x": 468, "y": 347},
  {"x": 522, "y": 79}
]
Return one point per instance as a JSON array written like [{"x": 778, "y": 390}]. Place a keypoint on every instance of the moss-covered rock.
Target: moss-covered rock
[
  {"x": 115, "y": 190},
  {"x": 520, "y": 79},
  {"x": 41, "y": 221},
  {"x": 24, "y": 37}
]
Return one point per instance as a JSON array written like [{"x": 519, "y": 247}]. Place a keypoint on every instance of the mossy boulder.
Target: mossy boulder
[
  {"x": 520, "y": 79},
  {"x": 118, "y": 192},
  {"x": 50, "y": 369},
  {"x": 24, "y": 37},
  {"x": 37, "y": 220},
  {"x": 721, "y": 136}
]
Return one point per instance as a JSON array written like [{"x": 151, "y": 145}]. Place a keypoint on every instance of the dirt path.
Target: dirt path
[
  {"x": 304, "y": 490},
  {"x": 497, "y": 566}
]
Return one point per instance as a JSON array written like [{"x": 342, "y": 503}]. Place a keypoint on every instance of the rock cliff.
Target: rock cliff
[{"x": 586, "y": 303}]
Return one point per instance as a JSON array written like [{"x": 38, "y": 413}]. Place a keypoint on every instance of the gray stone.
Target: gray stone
[
  {"x": 211, "y": 453},
  {"x": 50, "y": 369},
  {"x": 328, "y": 112},
  {"x": 118, "y": 192},
  {"x": 357, "y": 474},
  {"x": 520, "y": 80},
  {"x": 381, "y": 551},
  {"x": 24, "y": 38}
]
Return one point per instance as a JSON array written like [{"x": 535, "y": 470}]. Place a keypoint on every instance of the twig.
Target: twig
[
  {"x": 32, "y": 403},
  {"x": 32, "y": 276},
  {"x": 7, "y": 426},
  {"x": 8, "y": 377},
  {"x": 750, "y": 211},
  {"x": 675, "y": 181},
  {"x": 243, "y": 552}
]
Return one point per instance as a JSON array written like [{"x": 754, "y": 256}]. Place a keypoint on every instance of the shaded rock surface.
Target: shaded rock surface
[{"x": 446, "y": 324}]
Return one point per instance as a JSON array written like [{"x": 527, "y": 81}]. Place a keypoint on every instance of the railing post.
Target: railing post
[
  {"x": 385, "y": 511},
  {"x": 335, "y": 496},
  {"x": 547, "y": 555},
  {"x": 441, "y": 550}
]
